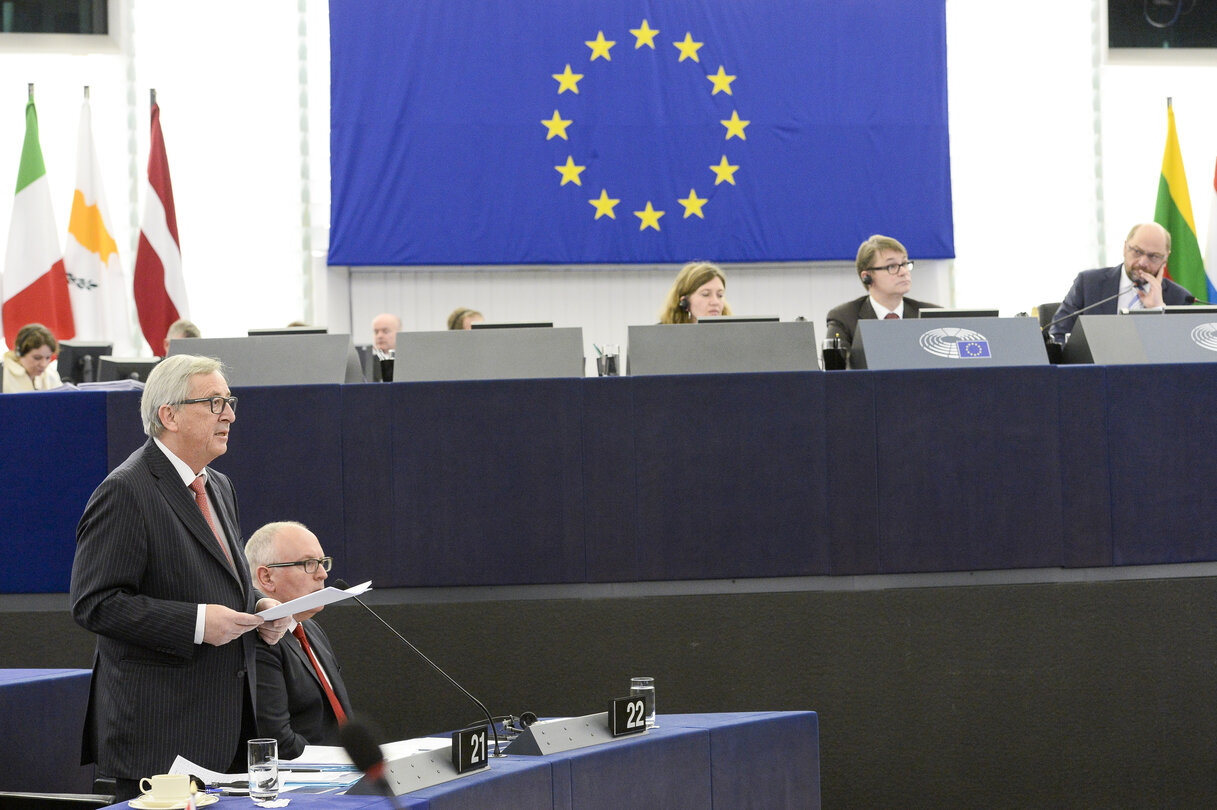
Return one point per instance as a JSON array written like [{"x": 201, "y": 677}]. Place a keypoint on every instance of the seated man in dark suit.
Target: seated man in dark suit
[
  {"x": 887, "y": 274},
  {"x": 301, "y": 697},
  {"x": 1139, "y": 281}
]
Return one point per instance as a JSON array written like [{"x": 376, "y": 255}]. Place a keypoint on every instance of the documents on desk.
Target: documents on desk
[
  {"x": 316, "y": 599},
  {"x": 318, "y": 766}
]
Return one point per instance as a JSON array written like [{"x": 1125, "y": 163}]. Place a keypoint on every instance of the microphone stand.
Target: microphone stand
[
  {"x": 1086, "y": 308},
  {"x": 497, "y": 751}
]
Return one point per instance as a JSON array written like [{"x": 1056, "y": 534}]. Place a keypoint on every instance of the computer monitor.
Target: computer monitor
[
  {"x": 126, "y": 368},
  {"x": 519, "y": 325},
  {"x": 947, "y": 312},
  {"x": 738, "y": 319},
  {"x": 78, "y": 360},
  {"x": 289, "y": 330}
]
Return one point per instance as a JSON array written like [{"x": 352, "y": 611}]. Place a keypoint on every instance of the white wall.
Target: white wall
[{"x": 1056, "y": 149}]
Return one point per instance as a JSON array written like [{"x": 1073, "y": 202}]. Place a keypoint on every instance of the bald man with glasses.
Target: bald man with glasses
[
  {"x": 302, "y": 699},
  {"x": 1140, "y": 281}
]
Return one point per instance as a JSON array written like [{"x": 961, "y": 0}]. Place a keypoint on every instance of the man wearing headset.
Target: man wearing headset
[{"x": 886, "y": 272}]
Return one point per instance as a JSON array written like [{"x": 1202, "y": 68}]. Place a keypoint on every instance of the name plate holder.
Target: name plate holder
[
  {"x": 565, "y": 734},
  {"x": 413, "y": 772}
]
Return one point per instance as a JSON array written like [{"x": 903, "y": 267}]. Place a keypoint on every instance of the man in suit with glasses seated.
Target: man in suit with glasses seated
[
  {"x": 302, "y": 699},
  {"x": 885, "y": 270},
  {"x": 1140, "y": 281}
]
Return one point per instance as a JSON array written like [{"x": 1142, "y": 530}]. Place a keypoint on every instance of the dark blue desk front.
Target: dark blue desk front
[
  {"x": 669, "y": 478},
  {"x": 43, "y": 714}
]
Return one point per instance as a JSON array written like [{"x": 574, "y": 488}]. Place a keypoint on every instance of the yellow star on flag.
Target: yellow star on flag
[
  {"x": 724, "y": 171},
  {"x": 570, "y": 81},
  {"x": 556, "y": 126},
  {"x": 604, "y": 205},
  {"x": 649, "y": 216},
  {"x": 735, "y": 126},
  {"x": 600, "y": 47},
  {"x": 644, "y": 36},
  {"x": 721, "y": 81},
  {"x": 688, "y": 48},
  {"x": 570, "y": 172},
  {"x": 693, "y": 204}
]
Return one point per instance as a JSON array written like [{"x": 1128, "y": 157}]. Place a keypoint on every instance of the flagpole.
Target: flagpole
[
  {"x": 86, "y": 92},
  {"x": 1168, "y": 102},
  {"x": 31, "y": 91},
  {"x": 152, "y": 95}
]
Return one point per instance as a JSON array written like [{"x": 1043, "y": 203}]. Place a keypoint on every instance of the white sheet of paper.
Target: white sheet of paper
[{"x": 316, "y": 599}]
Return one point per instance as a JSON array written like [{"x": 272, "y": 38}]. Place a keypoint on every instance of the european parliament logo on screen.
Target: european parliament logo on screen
[{"x": 615, "y": 131}]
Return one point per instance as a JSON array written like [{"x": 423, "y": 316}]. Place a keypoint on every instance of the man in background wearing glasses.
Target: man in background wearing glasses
[
  {"x": 301, "y": 697},
  {"x": 887, "y": 274},
  {"x": 1140, "y": 281},
  {"x": 158, "y": 576}
]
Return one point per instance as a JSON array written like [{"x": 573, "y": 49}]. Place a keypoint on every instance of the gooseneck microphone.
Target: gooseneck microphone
[
  {"x": 359, "y": 740},
  {"x": 1140, "y": 285},
  {"x": 341, "y": 583}
]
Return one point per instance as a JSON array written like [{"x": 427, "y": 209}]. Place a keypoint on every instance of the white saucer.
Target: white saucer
[{"x": 145, "y": 802}]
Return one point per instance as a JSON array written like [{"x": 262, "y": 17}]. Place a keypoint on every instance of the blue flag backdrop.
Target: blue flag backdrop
[{"x": 633, "y": 131}]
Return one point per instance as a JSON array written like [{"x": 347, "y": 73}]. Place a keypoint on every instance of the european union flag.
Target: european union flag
[
  {"x": 628, "y": 131},
  {"x": 973, "y": 348}
]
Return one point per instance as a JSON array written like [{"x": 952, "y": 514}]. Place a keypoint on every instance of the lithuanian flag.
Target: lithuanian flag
[{"x": 1174, "y": 212}]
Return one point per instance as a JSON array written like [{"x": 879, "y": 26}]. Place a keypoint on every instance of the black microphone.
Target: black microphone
[
  {"x": 359, "y": 740},
  {"x": 1086, "y": 308},
  {"x": 341, "y": 583},
  {"x": 1191, "y": 299}
]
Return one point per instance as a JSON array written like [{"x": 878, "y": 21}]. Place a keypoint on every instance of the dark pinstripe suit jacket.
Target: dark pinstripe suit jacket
[
  {"x": 145, "y": 559},
  {"x": 292, "y": 707}
]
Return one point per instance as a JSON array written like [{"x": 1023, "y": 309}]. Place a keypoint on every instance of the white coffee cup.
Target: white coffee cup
[{"x": 166, "y": 787}]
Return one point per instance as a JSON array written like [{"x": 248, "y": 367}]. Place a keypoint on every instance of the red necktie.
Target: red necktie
[
  {"x": 325, "y": 683},
  {"x": 891, "y": 316},
  {"x": 200, "y": 498}
]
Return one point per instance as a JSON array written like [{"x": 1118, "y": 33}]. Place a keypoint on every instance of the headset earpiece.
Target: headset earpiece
[
  {"x": 683, "y": 303},
  {"x": 867, "y": 280}
]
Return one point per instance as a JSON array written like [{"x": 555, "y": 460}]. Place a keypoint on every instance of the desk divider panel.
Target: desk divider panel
[
  {"x": 717, "y": 348},
  {"x": 279, "y": 359},
  {"x": 489, "y": 354}
]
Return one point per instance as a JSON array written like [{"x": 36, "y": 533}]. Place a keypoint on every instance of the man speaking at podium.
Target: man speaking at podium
[
  {"x": 302, "y": 699},
  {"x": 1139, "y": 281},
  {"x": 887, "y": 274}
]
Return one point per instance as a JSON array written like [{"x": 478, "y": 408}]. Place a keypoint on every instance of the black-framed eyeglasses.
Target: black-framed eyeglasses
[
  {"x": 217, "y": 403},
  {"x": 309, "y": 565},
  {"x": 895, "y": 267}
]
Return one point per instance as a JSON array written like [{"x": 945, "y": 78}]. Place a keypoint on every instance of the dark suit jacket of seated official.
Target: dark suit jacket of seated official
[
  {"x": 843, "y": 318},
  {"x": 1094, "y": 285},
  {"x": 292, "y": 706}
]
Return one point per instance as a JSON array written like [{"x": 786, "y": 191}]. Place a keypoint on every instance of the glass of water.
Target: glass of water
[
  {"x": 263, "y": 769},
  {"x": 645, "y": 688}
]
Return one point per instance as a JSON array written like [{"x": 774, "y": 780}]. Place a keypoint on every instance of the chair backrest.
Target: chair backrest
[{"x": 1047, "y": 312}]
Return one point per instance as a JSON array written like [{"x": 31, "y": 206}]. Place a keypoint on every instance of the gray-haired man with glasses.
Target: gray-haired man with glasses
[
  {"x": 302, "y": 699},
  {"x": 1139, "y": 282},
  {"x": 158, "y": 576},
  {"x": 885, "y": 270}
]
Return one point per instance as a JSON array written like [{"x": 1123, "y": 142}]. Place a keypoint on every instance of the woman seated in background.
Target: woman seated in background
[
  {"x": 700, "y": 291},
  {"x": 25, "y": 367},
  {"x": 463, "y": 318}
]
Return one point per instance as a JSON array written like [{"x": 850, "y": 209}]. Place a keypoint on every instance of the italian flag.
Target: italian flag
[
  {"x": 1174, "y": 212},
  {"x": 35, "y": 284},
  {"x": 160, "y": 288}
]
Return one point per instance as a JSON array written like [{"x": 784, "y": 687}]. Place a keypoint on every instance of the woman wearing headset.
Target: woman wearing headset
[
  {"x": 26, "y": 367},
  {"x": 700, "y": 291}
]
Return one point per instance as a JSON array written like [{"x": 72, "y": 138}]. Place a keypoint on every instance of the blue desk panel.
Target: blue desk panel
[
  {"x": 43, "y": 714},
  {"x": 673, "y": 478}
]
